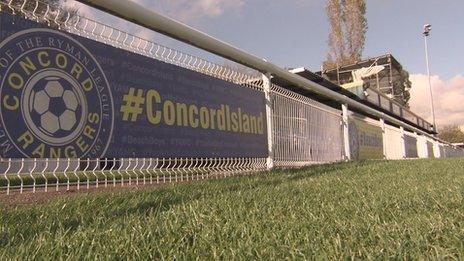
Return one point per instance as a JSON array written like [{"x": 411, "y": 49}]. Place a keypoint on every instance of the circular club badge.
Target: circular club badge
[{"x": 55, "y": 99}]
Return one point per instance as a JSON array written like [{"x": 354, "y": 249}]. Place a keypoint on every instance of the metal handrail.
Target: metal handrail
[{"x": 137, "y": 14}]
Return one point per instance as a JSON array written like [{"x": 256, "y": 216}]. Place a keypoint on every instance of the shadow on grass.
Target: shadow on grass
[
  {"x": 69, "y": 214},
  {"x": 187, "y": 192},
  {"x": 147, "y": 200}
]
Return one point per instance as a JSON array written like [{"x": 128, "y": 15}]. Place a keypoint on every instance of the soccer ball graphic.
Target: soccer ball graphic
[{"x": 55, "y": 107}]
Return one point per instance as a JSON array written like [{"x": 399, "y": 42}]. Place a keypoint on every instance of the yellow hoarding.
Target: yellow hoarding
[{"x": 366, "y": 140}]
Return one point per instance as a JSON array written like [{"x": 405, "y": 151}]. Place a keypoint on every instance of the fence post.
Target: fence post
[
  {"x": 346, "y": 133},
  {"x": 269, "y": 120},
  {"x": 403, "y": 142},
  {"x": 436, "y": 149},
  {"x": 384, "y": 137},
  {"x": 418, "y": 145}
]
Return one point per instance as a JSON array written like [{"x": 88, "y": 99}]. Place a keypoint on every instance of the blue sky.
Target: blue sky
[{"x": 293, "y": 33}]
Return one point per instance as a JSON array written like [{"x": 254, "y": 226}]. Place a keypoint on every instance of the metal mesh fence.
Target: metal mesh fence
[
  {"x": 304, "y": 131},
  {"x": 33, "y": 175},
  {"x": 54, "y": 174},
  {"x": 394, "y": 147},
  {"x": 425, "y": 147},
  {"x": 75, "y": 23}
]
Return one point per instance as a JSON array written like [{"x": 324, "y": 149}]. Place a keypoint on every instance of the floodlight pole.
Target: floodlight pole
[{"x": 426, "y": 33}]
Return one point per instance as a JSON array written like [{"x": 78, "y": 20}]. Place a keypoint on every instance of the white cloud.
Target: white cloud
[
  {"x": 192, "y": 10},
  {"x": 187, "y": 11},
  {"x": 94, "y": 14},
  {"x": 184, "y": 10},
  {"x": 448, "y": 98}
]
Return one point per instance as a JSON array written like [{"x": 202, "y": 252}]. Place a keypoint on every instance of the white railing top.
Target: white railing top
[
  {"x": 131, "y": 11},
  {"x": 135, "y": 13},
  {"x": 78, "y": 24}
]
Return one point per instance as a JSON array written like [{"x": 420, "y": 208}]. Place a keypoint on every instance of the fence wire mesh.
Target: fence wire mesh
[
  {"x": 393, "y": 145},
  {"x": 304, "y": 131},
  {"x": 33, "y": 175},
  {"x": 73, "y": 22}
]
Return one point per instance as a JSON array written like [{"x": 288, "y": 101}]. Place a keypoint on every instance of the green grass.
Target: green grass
[{"x": 376, "y": 209}]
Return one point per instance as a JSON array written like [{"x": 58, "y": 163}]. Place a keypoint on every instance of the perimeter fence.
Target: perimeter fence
[{"x": 300, "y": 130}]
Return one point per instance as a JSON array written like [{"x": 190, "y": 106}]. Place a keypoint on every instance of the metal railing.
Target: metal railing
[
  {"x": 131, "y": 11},
  {"x": 302, "y": 131},
  {"x": 33, "y": 175},
  {"x": 75, "y": 23},
  {"x": 305, "y": 132}
]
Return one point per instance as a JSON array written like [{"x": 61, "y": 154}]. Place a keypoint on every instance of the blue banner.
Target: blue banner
[{"x": 65, "y": 96}]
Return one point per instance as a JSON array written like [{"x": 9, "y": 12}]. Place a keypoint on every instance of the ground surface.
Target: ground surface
[{"x": 407, "y": 209}]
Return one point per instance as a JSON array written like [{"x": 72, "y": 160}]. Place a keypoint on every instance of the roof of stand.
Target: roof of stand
[
  {"x": 303, "y": 72},
  {"x": 384, "y": 59}
]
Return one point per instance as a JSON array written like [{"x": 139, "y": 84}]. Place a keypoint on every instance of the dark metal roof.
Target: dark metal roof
[{"x": 383, "y": 59}]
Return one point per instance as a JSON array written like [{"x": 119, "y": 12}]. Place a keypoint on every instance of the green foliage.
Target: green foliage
[
  {"x": 401, "y": 87},
  {"x": 366, "y": 210}
]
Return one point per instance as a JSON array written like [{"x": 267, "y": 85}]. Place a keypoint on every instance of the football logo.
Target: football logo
[{"x": 55, "y": 98}]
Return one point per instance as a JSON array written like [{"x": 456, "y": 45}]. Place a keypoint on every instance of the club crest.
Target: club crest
[{"x": 56, "y": 100}]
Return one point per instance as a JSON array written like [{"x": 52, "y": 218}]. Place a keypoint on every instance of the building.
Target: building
[
  {"x": 369, "y": 96},
  {"x": 391, "y": 80}
]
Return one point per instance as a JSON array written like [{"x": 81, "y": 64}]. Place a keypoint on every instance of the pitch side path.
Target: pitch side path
[{"x": 375, "y": 209}]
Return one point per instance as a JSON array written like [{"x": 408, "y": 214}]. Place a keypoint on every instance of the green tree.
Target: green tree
[{"x": 401, "y": 87}]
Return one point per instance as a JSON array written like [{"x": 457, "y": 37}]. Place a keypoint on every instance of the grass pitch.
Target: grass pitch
[{"x": 376, "y": 209}]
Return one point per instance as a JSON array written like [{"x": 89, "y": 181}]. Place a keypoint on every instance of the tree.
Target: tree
[
  {"x": 336, "y": 44},
  {"x": 401, "y": 87},
  {"x": 348, "y": 27},
  {"x": 451, "y": 133}
]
